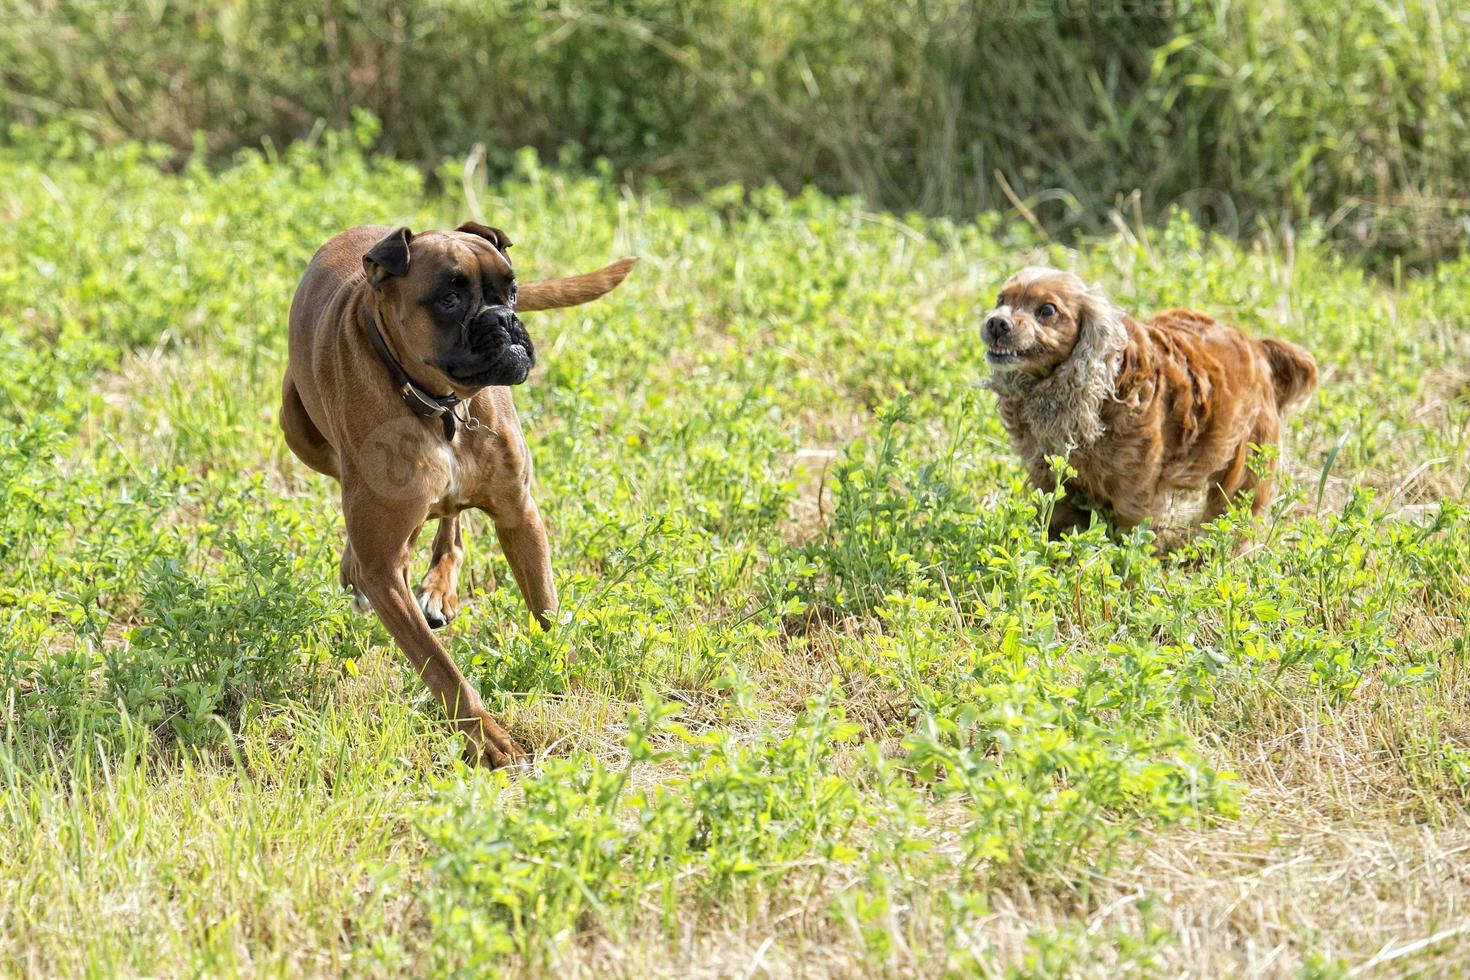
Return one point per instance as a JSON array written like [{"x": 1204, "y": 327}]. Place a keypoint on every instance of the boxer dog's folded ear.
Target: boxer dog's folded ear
[
  {"x": 389, "y": 257},
  {"x": 494, "y": 236}
]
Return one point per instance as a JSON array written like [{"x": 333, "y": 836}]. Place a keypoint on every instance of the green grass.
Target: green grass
[
  {"x": 1245, "y": 112},
  {"x": 834, "y": 703}
]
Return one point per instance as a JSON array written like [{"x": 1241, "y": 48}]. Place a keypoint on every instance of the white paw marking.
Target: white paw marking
[
  {"x": 435, "y": 609},
  {"x": 432, "y": 606},
  {"x": 361, "y": 603}
]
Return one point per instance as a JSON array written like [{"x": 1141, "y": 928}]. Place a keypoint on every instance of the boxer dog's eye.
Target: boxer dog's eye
[{"x": 449, "y": 302}]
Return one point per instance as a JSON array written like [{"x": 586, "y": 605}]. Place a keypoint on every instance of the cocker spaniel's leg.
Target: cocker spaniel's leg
[
  {"x": 1239, "y": 477},
  {"x": 1067, "y": 516}
]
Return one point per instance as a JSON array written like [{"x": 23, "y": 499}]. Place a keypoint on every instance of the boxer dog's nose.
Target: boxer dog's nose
[
  {"x": 500, "y": 316},
  {"x": 494, "y": 328}
]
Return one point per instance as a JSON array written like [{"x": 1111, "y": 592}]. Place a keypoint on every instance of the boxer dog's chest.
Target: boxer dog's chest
[
  {"x": 449, "y": 492},
  {"x": 471, "y": 471},
  {"x": 456, "y": 478}
]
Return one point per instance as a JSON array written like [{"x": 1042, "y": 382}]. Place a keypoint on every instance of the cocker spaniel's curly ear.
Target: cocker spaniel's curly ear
[{"x": 1101, "y": 333}]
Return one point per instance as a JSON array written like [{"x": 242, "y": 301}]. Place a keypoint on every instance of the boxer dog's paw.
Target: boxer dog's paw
[
  {"x": 438, "y": 605},
  {"x": 361, "y": 603},
  {"x": 490, "y": 746}
]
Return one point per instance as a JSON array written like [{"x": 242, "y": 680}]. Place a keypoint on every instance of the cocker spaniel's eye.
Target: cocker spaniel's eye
[{"x": 1046, "y": 311}]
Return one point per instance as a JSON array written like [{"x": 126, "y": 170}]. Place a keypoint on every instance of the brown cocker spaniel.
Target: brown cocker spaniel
[{"x": 1141, "y": 410}]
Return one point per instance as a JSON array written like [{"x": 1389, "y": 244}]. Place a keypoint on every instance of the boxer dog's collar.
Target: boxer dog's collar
[{"x": 420, "y": 402}]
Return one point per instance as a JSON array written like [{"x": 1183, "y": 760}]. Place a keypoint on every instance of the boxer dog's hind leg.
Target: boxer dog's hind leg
[
  {"x": 381, "y": 538},
  {"x": 438, "y": 593},
  {"x": 349, "y": 575},
  {"x": 302, "y": 435}
]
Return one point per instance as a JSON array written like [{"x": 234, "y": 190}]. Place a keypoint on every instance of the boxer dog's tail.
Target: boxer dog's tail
[{"x": 551, "y": 294}]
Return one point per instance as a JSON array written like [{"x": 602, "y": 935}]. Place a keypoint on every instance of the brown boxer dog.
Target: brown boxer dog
[{"x": 402, "y": 350}]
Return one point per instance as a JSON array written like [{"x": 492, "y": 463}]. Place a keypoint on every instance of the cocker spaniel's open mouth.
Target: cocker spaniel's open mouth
[{"x": 1003, "y": 356}]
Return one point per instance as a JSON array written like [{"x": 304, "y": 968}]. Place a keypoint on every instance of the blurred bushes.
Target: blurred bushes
[{"x": 1352, "y": 111}]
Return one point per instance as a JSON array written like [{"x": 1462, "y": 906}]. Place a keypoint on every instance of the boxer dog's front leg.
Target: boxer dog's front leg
[
  {"x": 523, "y": 540},
  {"x": 380, "y": 537},
  {"x": 438, "y": 593}
]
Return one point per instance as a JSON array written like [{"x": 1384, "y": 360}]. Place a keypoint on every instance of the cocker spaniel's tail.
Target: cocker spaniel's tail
[{"x": 1293, "y": 371}]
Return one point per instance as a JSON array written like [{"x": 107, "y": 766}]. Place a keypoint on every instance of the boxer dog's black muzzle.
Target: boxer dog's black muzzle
[{"x": 492, "y": 348}]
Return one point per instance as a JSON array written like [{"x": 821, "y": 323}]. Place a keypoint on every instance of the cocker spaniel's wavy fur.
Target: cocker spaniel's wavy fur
[{"x": 1141, "y": 410}]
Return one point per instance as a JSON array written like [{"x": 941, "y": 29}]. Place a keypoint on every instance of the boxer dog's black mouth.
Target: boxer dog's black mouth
[
  {"x": 511, "y": 367},
  {"x": 495, "y": 354}
]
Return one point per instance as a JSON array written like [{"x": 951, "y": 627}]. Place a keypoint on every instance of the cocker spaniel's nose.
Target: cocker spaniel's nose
[{"x": 997, "y": 327}]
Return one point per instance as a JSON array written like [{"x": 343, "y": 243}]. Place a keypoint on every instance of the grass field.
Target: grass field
[{"x": 837, "y": 706}]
